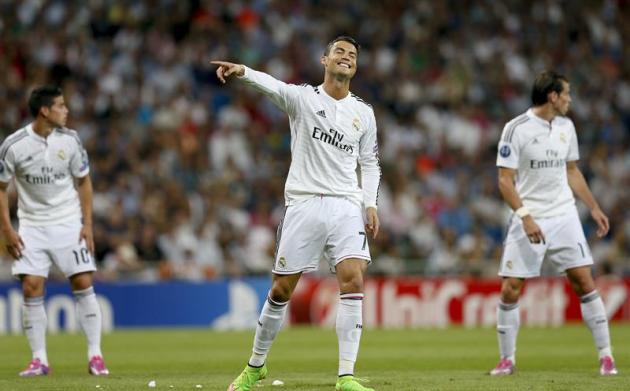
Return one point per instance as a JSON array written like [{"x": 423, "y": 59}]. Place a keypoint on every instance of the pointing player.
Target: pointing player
[
  {"x": 55, "y": 222},
  {"x": 327, "y": 213},
  {"x": 538, "y": 176}
]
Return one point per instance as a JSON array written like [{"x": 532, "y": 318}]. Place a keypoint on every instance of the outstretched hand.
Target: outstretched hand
[{"x": 226, "y": 69}]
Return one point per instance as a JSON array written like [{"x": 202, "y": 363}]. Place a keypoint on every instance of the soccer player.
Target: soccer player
[
  {"x": 55, "y": 222},
  {"x": 327, "y": 213},
  {"x": 538, "y": 176}
]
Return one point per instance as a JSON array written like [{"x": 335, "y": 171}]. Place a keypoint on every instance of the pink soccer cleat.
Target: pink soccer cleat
[
  {"x": 35, "y": 368},
  {"x": 607, "y": 366},
  {"x": 504, "y": 367},
  {"x": 97, "y": 367}
]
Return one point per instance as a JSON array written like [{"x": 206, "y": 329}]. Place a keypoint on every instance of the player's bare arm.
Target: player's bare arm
[
  {"x": 373, "y": 224},
  {"x": 84, "y": 188},
  {"x": 581, "y": 190},
  {"x": 507, "y": 178},
  {"x": 226, "y": 69},
  {"x": 14, "y": 242}
]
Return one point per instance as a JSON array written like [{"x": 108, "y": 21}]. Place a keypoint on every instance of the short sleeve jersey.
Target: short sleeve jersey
[
  {"x": 539, "y": 150},
  {"x": 44, "y": 170}
]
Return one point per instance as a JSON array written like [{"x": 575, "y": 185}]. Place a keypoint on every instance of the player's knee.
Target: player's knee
[
  {"x": 510, "y": 291},
  {"x": 81, "y": 281},
  {"x": 583, "y": 286},
  {"x": 353, "y": 284},
  {"x": 280, "y": 293},
  {"x": 581, "y": 281},
  {"x": 32, "y": 289},
  {"x": 509, "y": 297}
]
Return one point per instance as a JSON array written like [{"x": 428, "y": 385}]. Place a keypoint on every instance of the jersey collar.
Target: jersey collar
[
  {"x": 538, "y": 120},
  {"x": 31, "y": 132},
  {"x": 321, "y": 88}
]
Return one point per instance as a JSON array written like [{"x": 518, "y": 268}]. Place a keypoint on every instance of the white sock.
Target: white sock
[
  {"x": 269, "y": 323},
  {"x": 89, "y": 315},
  {"x": 508, "y": 323},
  {"x": 349, "y": 326},
  {"x": 34, "y": 322},
  {"x": 594, "y": 315}
]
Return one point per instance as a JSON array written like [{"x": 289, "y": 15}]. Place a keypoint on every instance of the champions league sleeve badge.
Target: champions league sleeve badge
[{"x": 505, "y": 151}]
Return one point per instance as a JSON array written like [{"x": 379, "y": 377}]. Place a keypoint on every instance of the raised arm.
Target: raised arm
[
  {"x": 284, "y": 95},
  {"x": 226, "y": 69},
  {"x": 581, "y": 190}
]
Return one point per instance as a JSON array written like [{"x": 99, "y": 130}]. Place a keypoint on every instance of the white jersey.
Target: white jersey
[
  {"x": 539, "y": 150},
  {"x": 328, "y": 138},
  {"x": 44, "y": 171}
]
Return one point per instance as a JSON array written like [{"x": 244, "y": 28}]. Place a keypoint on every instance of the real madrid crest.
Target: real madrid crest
[
  {"x": 355, "y": 124},
  {"x": 563, "y": 138},
  {"x": 61, "y": 154}
]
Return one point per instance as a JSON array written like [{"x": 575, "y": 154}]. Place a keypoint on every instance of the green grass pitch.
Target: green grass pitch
[{"x": 306, "y": 359}]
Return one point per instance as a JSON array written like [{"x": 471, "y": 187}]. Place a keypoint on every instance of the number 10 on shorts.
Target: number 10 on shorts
[{"x": 81, "y": 256}]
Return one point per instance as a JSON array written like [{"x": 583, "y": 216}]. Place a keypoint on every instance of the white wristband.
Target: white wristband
[{"x": 522, "y": 212}]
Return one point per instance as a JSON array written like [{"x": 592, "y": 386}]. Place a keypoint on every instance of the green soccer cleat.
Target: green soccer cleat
[
  {"x": 248, "y": 378},
  {"x": 349, "y": 383}
]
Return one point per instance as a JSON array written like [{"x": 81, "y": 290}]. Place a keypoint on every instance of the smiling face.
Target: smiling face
[{"x": 341, "y": 60}]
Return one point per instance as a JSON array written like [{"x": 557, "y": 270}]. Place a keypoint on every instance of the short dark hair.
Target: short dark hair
[
  {"x": 42, "y": 97},
  {"x": 344, "y": 38},
  {"x": 546, "y": 82}
]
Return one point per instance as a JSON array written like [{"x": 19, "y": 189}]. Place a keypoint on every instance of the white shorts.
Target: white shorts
[
  {"x": 565, "y": 246},
  {"x": 53, "y": 243},
  {"x": 322, "y": 226}
]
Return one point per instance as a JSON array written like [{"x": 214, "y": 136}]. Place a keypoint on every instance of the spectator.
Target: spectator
[{"x": 165, "y": 141}]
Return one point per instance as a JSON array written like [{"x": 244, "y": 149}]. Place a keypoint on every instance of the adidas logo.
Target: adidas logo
[
  {"x": 535, "y": 141},
  {"x": 321, "y": 113}
]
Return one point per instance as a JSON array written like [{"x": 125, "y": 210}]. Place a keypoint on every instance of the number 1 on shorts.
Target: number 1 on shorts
[{"x": 581, "y": 250}]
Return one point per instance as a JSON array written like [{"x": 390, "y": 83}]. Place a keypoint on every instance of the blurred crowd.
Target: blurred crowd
[{"x": 189, "y": 174}]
